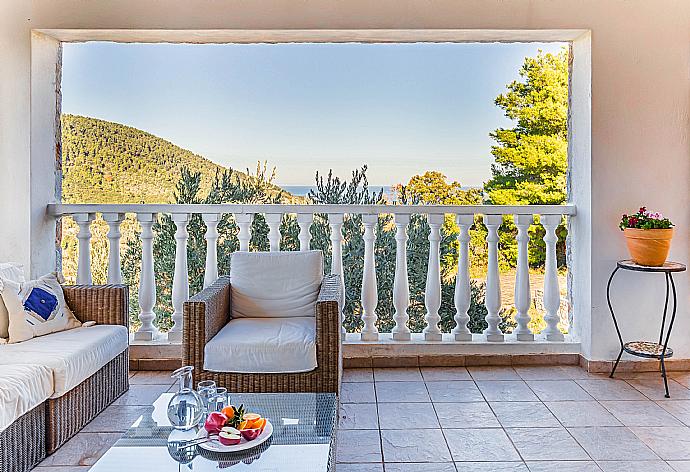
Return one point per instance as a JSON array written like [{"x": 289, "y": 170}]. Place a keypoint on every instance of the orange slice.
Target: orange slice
[
  {"x": 260, "y": 424},
  {"x": 242, "y": 425},
  {"x": 251, "y": 416}
]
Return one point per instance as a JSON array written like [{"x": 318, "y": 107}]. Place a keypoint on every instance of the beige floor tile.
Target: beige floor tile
[
  {"x": 116, "y": 418},
  {"x": 466, "y": 415},
  {"x": 670, "y": 444},
  {"x": 634, "y": 466},
  {"x": 411, "y": 374},
  {"x": 433, "y": 374},
  {"x": 82, "y": 449},
  {"x": 359, "y": 467},
  {"x": 360, "y": 392},
  {"x": 477, "y": 445},
  {"x": 680, "y": 466},
  {"x": 410, "y": 445},
  {"x": 506, "y": 391},
  {"x": 546, "y": 444},
  {"x": 590, "y": 413},
  {"x": 358, "y": 446},
  {"x": 141, "y": 395},
  {"x": 399, "y": 392},
  {"x": 358, "y": 416},
  {"x": 558, "y": 390},
  {"x": 454, "y": 391},
  {"x": 654, "y": 389},
  {"x": 493, "y": 373},
  {"x": 682, "y": 378},
  {"x": 148, "y": 377},
  {"x": 612, "y": 443},
  {"x": 563, "y": 466},
  {"x": 524, "y": 415},
  {"x": 640, "y": 413},
  {"x": 547, "y": 373},
  {"x": 491, "y": 467},
  {"x": 678, "y": 408},
  {"x": 420, "y": 467},
  {"x": 610, "y": 389},
  {"x": 358, "y": 375},
  {"x": 407, "y": 415}
]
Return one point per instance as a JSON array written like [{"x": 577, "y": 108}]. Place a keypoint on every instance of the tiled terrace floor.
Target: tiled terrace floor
[{"x": 488, "y": 419}]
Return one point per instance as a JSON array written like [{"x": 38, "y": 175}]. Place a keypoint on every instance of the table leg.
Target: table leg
[
  {"x": 663, "y": 319},
  {"x": 668, "y": 333},
  {"x": 615, "y": 322}
]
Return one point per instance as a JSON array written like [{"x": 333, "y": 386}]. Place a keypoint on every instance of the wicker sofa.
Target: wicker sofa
[
  {"x": 102, "y": 376},
  {"x": 210, "y": 310}
]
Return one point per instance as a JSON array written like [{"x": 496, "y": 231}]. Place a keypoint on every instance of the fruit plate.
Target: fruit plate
[{"x": 214, "y": 445}]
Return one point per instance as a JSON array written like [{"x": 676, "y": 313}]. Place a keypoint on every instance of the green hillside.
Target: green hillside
[{"x": 105, "y": 162}]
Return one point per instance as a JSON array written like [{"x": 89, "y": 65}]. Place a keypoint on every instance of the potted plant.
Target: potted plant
[{"x": 648, "y": 236}]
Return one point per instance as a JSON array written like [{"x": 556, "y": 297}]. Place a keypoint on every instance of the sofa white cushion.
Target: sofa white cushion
[
  {"x": 15, "y": 273},
  {"x": 275, "y": 284},
  {"x": 22, "y": 388},
  {"x": 73, "y": 355},
  {"x": 263, "y": 345},
  {"x": 36, "y": 308}
]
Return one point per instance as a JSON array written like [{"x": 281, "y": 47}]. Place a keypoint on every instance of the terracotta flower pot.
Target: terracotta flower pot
[{"x": 648, "y": 247}]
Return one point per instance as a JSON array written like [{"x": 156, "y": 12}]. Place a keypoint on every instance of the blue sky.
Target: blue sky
[{"x": 399, "y": 108}]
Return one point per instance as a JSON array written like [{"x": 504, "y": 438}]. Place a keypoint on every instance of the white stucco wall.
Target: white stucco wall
[{"x": 640, "y": 66}]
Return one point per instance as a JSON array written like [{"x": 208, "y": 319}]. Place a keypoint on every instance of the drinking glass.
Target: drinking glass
[
  {"x": 220, "y": 399},
  {"x": 206, "y": 390}
]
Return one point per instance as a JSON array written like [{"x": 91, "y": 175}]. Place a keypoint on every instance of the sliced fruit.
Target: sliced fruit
[
  {"x": 229, "y": 439},
  {"x": 230, "y": 430},
  {"x": 252, "y": 416},
  {"x": 242, "y": 425},
  {"x": 215, "y": 422},
  {"x": 260, "y": 424},
  {"x": 250, "y": 434},
  {"x": 229, "y": 411}
]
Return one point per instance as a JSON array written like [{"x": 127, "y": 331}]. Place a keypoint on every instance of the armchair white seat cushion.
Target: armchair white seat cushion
[
  {"x": 72, "y": 356},
  {"x": 22, "y": 388},
  {"x": 263, "y": 345},
  {"x": 275, "y": 284}
]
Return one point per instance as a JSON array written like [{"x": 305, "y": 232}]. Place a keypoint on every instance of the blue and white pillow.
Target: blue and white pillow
[{"x": 36, "y": 308}]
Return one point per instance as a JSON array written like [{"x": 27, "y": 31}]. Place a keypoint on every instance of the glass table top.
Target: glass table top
[{"x": 304, "y": 426}]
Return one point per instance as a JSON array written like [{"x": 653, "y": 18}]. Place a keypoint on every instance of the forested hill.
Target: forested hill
[{"x": 105, "y": 162}]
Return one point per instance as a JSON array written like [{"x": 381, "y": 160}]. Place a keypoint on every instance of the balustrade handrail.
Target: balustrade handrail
[
  {"x": 60, "y": 209},
  {"x": 523, "y": 217}
]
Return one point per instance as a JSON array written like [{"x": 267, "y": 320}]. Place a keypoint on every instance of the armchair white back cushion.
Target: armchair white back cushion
[
  {"x": 15, "y": 273},
  {"x": 275, "y": 284}
]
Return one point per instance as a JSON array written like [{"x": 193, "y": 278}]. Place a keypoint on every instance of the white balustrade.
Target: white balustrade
[
  {"x": 84, "y": 220},
  {"x": 304, "y": 221},
  {"x": 335, "y": 220},
  {"x": 401, "y": 286},
  {"x": 550, "y": 218},
  {"x": 147, "y": 280},
  {"x": 244, "y": 223},
  {"x": 114, "y": 221},
  {"x": 369, "y": 290},
  {"x": 493, "y": 280},
  {"x": 552, "y": 293},
  {"x": 463, "y": 294},
  {"x": 432, "y": 293},
  {"x": 211, "y": 268},
  {"x": 273, "y": 220},
  {"x": 180, "y": 288},
  {"x": 522, "y": 287}
]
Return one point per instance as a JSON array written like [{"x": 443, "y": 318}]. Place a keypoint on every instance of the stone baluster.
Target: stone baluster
[
  {"x": 84, "y": 257},
  {"x": 369, "y": 289},
  {"x": 304, "y": 221},
  {"x": 335, "y": 220},
  {"x": 244, "y": 223},
  {"x": 493, "y": 282},
  {"x": 211, "y": 269},
  {"x": 180, "y": 288},
  {"x": 432, "y": 290},
  {"x": 273, "y": 220},
  {"x": 114, "y": 221},
  {"x": 147, "y": 280},
  {"x": 552, "y": 293},
  {"x": 522, "y": 285},
  {"x": 462, "y": 280},
  {"x": 401, "y": 287}
]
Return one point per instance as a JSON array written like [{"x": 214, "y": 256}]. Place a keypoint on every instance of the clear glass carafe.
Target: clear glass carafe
[{"x": 186, "y": 407}]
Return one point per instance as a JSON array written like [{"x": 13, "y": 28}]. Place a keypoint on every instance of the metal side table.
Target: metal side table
[{"x": 647, "y": 349}]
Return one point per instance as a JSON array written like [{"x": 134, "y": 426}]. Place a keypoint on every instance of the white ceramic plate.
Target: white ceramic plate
[{"x": 214, "y": 445}]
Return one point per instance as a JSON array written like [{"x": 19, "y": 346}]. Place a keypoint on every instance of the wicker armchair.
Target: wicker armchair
[{"x": 209, "y": 311}]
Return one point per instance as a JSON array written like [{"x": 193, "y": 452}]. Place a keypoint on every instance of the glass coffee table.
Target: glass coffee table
[{"x": 303, "y": 440}]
